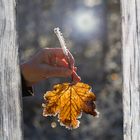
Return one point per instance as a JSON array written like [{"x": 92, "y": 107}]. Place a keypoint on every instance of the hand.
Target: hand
[{"x": 47, "y": 63}]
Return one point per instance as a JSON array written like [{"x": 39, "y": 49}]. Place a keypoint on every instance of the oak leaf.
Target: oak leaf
[{"x": 69, "y": 101}]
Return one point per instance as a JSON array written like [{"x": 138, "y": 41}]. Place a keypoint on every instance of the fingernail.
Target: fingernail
[{"x": 75, "y": 68}]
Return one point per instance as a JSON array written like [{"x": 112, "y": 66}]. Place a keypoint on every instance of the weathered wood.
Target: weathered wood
[
  {"x": 10, "y": 107},
  {"x": 131, "y": 68}
]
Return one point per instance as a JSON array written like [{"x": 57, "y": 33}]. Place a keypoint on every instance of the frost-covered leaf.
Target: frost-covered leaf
[{"x": 69, "y": 101}]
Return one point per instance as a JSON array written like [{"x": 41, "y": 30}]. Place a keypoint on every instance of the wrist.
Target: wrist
[{"x": 25, "y": 74}]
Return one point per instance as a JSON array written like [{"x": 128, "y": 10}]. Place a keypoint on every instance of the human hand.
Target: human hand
[{"x": 47, "y": 63}]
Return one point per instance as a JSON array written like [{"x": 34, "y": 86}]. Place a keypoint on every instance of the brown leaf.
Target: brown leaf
[{"x": 69, "y": 101}]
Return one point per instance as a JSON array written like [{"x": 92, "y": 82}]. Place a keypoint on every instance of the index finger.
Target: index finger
[
  {"x": 58, "y": 52},
  {"x": 54, "y": 52}
]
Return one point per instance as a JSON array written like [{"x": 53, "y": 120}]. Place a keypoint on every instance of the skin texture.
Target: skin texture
[{"x": 47, "y": 63}]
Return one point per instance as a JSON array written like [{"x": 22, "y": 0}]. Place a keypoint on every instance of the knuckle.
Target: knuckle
[{"x": 45, "y": 51}]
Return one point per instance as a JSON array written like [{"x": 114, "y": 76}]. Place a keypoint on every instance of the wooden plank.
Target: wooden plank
[
  {"x": 131, "y": 68},
  {"x": 10, "y": 104}
]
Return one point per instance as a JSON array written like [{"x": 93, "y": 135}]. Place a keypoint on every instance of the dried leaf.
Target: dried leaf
[{"x": 69, "y": 101}]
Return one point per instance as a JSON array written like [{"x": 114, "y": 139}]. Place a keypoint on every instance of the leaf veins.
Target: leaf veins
[{"x": 69, "y": 101}]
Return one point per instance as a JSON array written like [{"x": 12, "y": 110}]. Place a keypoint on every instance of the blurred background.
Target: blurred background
[{"x": 92, "y": 31}]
